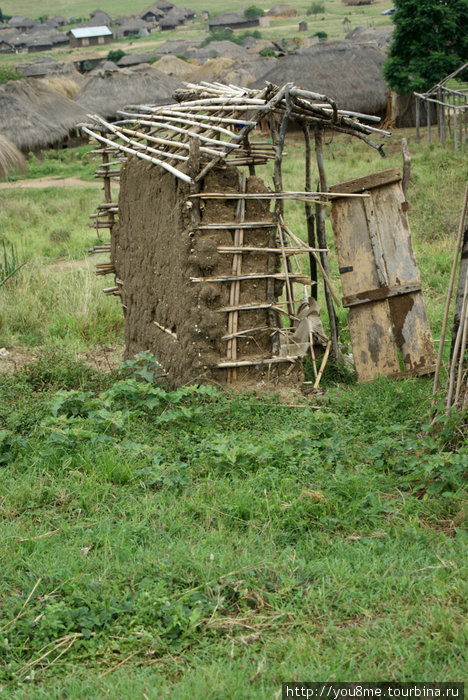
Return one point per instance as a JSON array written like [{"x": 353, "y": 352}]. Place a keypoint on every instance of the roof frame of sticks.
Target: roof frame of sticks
[{"x": 210, "y": 126}]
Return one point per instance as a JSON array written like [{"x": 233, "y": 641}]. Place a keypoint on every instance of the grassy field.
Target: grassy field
[
  {"x": 337, "y": 20},
  {"x": 196, "y": 543}
]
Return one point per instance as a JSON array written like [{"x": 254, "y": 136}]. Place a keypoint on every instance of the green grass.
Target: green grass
[{"x": 200, "y": 544}]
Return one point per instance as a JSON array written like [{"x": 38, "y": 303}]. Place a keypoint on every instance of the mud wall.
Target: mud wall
[{"x": 156, "y": 253}]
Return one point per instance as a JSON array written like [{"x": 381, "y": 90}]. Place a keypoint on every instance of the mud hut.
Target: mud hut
[
  {"x": 232, "y": 20},
  {"x": 33, "y": 116},
  {"x": 279, "y": 11},
  {"x": 347, "y": 72},
  {"x": 106, "y": 93},
  {"x": 207, "y": 273}
]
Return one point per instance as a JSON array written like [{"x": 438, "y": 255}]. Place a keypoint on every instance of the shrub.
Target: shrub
[
  {"x": 316, "y": 8},
  {"x": 9, "y": 73},
  {"x": 253, "y": 12},
  {"x": 322, "y": 36},
  {"x": 267, "y": 52},
  {"x": 115, "y": 55}
]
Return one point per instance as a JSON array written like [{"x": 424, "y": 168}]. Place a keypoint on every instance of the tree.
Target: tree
[
  {"x": 429, "y": 42},
  {"x": 253, "y": 12}
]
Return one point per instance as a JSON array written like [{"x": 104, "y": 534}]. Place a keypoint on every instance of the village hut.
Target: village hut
[
  {"x": 211, "y": 70},
  {"x": 348, "y": 72},
  {"x": 89, "y": 36},
  {"x": 175, "y": 67},
  {"x": 178, "y": 47},
  {"x": 45, "y": 40},
  {"x": 226, "y": 49},
  {"x": 134, "y": 59},
  {"x": 107, "y": 93},
  {"x": 11, "y": 157},
  {"x": 174, "y": 18},
  {"x": 7, "y": 44},
  {"x": 33, "y": 116},
  {"x": 133, "y": 26},
  {"x": 55, "y": 21},
  {"x": 164, "y": 5},
  {"x": 45, "y": 66},
  {"x": 282, "y": 10},
  {"x": 99, "y": 18},
  {"x": 243, "y": 73},
  {"x": 151, "y": 15},
  {"x": 378, "y": 36},
  {"x": 21, "y": 23},
  {"x": 232, "y": 20}
]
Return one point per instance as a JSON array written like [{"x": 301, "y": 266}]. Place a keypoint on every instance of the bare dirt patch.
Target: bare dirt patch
[{"x": 40, "y": 182}]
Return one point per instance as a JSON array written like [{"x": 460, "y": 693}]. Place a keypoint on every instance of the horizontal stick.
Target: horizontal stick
[
  {"x": 258, "y": 329},
  {"x": 299, "y": 278},
  {"x": 166, "y": 142},
  {"x": 279, "y": 251},
  {"x": 237, "y": 224},
  {"x": 166, "y": 330},
  {"x": 276, "y": 195},
  {"x": 143, "y": 156},
  {"x": 269, "y": 361}
]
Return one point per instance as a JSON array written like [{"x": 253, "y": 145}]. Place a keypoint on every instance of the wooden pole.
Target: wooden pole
[
  {"x": 310, "y": 220},
  {"x": 450, "y": 290},
  {"x": 406, "y": 166},
  {"x": 322, "y": 240},
  {"x": 428, "y": 110},
  {"x": 418, "y": 118}
]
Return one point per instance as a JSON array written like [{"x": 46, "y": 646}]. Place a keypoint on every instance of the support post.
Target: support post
[
  {"x": 311, "y": 241},
  {"x": 322, "y": 241},
  {"x": 418, "y": 118}
]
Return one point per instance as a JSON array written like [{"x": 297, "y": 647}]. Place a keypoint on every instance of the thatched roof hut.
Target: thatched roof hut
[
  {"x": 46, "y": 66},
  {"x": 226, "y": 49},
  {"x": 56, "y": 21},
  {"x": 282, "y": 11},
  {"x": 211, "y": 69},
  {"x": 175, "y": 67},
  {"x": 23, "y": 24},
  {"x": 107, "y": 93},
  {"x": 178, "y": 47},
  {"x": 244, "y": 73},
  {"x": 348, "y": 72},
  {"x": 232, "y": 20},
  {"x": 34, "y": 116},
  {"x": 134, "y": 59},
  {"x": 10, "y": 157},
  {"x": 99, "y": 18},
  {"x": 378, "y": 36}
]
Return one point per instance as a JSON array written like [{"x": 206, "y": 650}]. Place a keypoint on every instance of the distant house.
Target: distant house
[
  {"x": 151, "y": 15},
  {"x": 303, "y": 26},
  {"x": 99, "y": 18},
  {"x": 282, "y": 11},
  {"x": 89, "y": 36},
  {"x": 173, "y": 19},
  {"x": 164, "y": 5},
  {"x": 56, "y": 21},
  {"x": 133, "y": 26},
  {"x": 6, "y": 46},
  {"x": 205, "y": 15},
  {"x": 232, "y": 20},
  {"x": 22, "y": 24}
]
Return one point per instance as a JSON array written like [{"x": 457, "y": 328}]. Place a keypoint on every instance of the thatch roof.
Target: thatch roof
[
  {"x": 10, "y": 157},
  {"x": 34, "y": 116},
  {"x": 282, "y": 11},
  {"x": 228, "y": 19},
  {"x": 174, "y": 18},
  {"x": 98, "y": 19},
  {"x": 22, "y": 22},
  {"x": 211, "y": 69},
  {"x": 178, "y": 47},
  {"x": 226, "y": 49},
  {"x": 163, "y": 5},
  {"x": 379, "y": 36},
  {"x": 132, "y": 25},
  {"x": 152, "y": 11},
  {"x": 48, "y": 66},
  {"x": 175, "y": 67},
  {"x": 244, "y": 73},
  {"x": 348, "y": 72},
  {"x": 56, "y": 21},
  {"x": 133, "y": 59},
  {"x": 45, "y": 37},
  {"x": 107, "y": 93}
]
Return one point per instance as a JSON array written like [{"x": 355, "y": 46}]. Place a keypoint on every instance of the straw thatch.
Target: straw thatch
[
  {"x": 133, "y": 59},
  {"x": 211, "y": 69},
  {"x": 348, "y": 72},
  {"x": 174, "y": 18},
  {"x": 10, "y": 157},
  {"x": 244, "y": 73},
  {"x": 232, "y": 20},
  {"x": 22, "y": 23},
  {"x": 175, "y": 67},
  {"x": 33, "y": 116},
  {"x": 226, "y": 49},
  {"x": 282, "y": 11},
  {"x": 98, "y": 18},
  {"x": 178, "y": 47},
  {"x": 46, "y": 66},
  {"x": 379, "y": 36},
  {"x": 65, "y": 86},
  {"x": 107, "y": 93}
]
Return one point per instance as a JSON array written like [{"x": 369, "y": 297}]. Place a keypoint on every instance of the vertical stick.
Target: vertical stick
[
  {"x": 308, "y": 211},
  {"x": 418, "y": 135},
  {"x": 460, "y": 334},
  {"x": 449, "y": 293},
  {"x": 322, "y": 241},
  {"x": 322, "y": 366},
  {"x": 428, "y": 110},
  {"x": 406, "y": 166},
  {"x": 234, "y": 295}
]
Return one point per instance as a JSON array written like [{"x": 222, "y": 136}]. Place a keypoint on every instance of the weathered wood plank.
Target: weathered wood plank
[
  {"x": 374, "y": 349},
  {"x": 368, "y": 182},
  {"x": 412, "y": 332}
]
